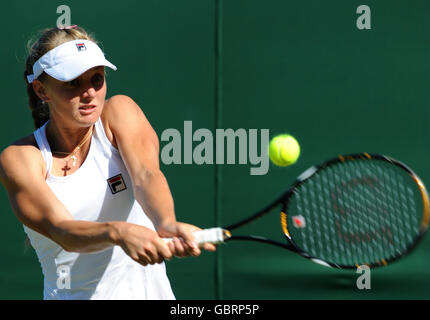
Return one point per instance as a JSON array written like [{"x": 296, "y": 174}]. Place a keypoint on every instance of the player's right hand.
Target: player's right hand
[{"x": 142, "y": 244}]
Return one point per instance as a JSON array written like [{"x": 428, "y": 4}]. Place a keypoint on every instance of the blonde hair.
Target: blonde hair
[{"x": 49, "y": 39}]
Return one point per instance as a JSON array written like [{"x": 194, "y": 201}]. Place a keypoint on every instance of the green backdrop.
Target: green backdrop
[{"x": 289, "y": 66}]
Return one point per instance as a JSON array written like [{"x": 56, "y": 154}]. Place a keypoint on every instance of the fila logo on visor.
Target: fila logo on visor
[
  {"x": 116, "y": 184},
  {"x": 81, "y": 46}
]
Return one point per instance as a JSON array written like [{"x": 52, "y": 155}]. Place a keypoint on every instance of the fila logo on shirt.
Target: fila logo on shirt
[{"x": 116, "y": 184}]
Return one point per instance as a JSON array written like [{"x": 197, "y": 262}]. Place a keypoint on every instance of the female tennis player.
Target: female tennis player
[{"x": 87, "y": 184}]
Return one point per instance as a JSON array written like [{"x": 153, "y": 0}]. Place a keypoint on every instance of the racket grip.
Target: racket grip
[{"x": 211, "y": 235}]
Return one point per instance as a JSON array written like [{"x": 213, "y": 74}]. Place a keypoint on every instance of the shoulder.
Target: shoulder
[
  {"x": 20, "y": 159},
  {"x": 119, "y": 111},
  {"x": 126, "y": 126},
  {"x": 122, "y": 114},
  {"x": 120, "y": 106},
  {"x": 25, "y": 147},
  {"x": 120, "y": 98}
]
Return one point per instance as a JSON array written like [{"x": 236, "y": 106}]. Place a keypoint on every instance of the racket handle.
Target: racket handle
[{"x": 211, "y": 235}]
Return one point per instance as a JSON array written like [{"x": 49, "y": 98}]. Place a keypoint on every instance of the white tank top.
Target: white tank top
[{"x": 100, "y": 190}]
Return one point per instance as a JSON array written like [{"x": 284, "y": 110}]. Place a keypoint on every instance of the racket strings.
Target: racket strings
[
  {"x": 387, "y": 215},
  {"x": 356, "y": 212}
]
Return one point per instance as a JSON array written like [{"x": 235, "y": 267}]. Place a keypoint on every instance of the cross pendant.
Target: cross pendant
[{"x": 65, "y": 169}]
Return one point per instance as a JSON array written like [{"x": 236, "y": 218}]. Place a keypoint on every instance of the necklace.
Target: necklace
[{"x": 73, "y": 153}]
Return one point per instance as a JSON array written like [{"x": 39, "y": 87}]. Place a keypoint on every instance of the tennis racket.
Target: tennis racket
[{"x": 360, "y": 209}]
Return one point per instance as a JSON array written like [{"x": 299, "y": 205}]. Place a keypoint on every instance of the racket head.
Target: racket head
[{"x": 359, "y": 209}]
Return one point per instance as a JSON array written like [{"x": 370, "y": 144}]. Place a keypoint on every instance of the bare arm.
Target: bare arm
[
  {"x": 37, "y": 207},
  {"x": 139, "y": 148}
]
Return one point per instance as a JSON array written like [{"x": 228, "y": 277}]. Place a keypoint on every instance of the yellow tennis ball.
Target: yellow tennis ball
[{"x": 284, "y": 150}]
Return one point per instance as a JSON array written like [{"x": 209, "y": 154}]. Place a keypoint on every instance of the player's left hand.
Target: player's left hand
[{"x": 183, "y": 243}]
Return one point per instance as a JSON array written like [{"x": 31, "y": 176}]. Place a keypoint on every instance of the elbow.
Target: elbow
[
  {"x": 66, "y": 245},
  {"x": 63, "y": 238},
  {"x": 83, "y": 236},
  {"x": 69, "y": 248}
]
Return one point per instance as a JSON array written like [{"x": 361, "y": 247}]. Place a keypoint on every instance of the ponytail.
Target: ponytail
[{"x": 39, "y": 109}]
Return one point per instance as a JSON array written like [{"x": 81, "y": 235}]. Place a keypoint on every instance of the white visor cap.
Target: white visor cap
[{"x": 69, "y": 60}]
